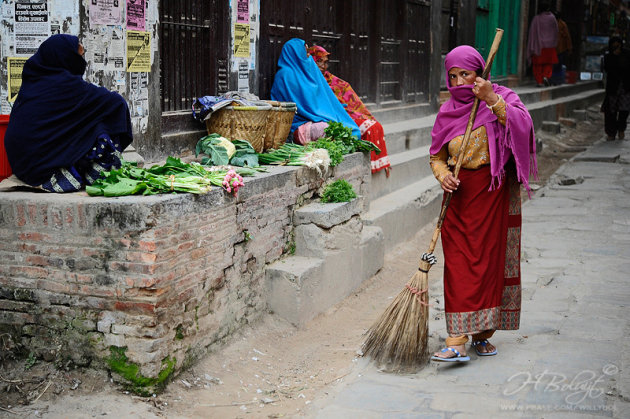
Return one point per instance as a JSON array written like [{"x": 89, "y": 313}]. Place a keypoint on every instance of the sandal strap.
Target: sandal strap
[
  {"x": 480, "y": 342},
  {"x": 455, "y": 351}
]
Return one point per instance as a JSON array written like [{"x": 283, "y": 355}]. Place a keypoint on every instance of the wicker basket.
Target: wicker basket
[
  {"x": 241, "y": 123},
  {"x": 279, "y": 124}
]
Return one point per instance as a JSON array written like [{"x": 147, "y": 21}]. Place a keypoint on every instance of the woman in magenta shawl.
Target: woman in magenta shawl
[{"x": 481, "y": 230}]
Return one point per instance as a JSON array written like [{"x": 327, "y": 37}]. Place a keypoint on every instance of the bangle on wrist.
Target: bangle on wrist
[{"x": 491, "y": 107}]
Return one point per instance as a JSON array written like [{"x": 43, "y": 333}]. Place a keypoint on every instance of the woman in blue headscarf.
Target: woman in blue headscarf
[
  {"x": 63, "y": 131},
  {"x": 299, "y": 80}
]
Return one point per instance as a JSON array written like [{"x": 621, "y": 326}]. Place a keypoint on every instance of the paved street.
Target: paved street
[{"x": 570, "y": 357}]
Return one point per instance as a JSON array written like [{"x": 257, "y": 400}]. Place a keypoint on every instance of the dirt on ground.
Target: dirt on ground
[{"x": 269, "y": 369}]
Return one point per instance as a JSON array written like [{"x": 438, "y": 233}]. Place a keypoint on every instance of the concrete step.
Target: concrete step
[
  {"x": 402, "y": 213},
  {"x": 532, "y": 94},
  {"x": 409, "y": 134},
  {"x": 389, "y": 114},
  {"x": 298, "y": 287},
  {"x": 327, "y": 215},
  {"x": 291, "y": 284},
  {"x": 552, "y": 110},
  {"x": 407, "y": 167}
]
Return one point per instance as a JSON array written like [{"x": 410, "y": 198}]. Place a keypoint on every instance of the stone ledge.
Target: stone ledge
[
  {"x": 327, "y": 215},
  {"x": 151, "y": 272}
]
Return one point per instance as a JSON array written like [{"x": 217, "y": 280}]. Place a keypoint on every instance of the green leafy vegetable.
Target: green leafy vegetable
[
  {"x": 213, "y": 145},
  {"x": 245, "y": 154},
  {"x": 336, "y": 149},
  {"x": 339, "y": 132},
  {"x": 173, "y": 176},
  {"x": 297, "y": 155},
  {"x": 338, "y": 191}
]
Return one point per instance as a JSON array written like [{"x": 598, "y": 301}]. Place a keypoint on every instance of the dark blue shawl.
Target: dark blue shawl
[
  {"x": 299, "y": 80},
  {"x": 58, "y": 116}
]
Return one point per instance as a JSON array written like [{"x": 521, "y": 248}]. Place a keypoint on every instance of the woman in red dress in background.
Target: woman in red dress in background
[{"x": 371, "y": 129}]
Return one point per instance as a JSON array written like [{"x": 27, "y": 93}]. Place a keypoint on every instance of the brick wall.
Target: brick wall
[{"x": 163, "y": 276}]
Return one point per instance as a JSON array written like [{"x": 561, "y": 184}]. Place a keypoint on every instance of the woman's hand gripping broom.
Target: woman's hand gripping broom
[{"x": 399, "y": 337}]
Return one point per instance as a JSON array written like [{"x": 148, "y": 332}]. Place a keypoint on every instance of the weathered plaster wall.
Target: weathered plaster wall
[
  {"x": 243, "y": 69},
  {"x": 106, "y": 41}
]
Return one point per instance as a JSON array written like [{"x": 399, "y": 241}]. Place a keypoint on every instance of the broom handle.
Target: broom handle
[{"x": 471, "y": 121}]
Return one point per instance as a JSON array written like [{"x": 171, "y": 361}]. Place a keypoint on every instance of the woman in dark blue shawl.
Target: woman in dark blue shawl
[
  {"x": 299, "y": 80},
  {"x": 64, "y": 131}
]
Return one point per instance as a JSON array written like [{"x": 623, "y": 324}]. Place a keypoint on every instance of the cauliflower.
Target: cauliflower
[{"x": 227, "y": 144}]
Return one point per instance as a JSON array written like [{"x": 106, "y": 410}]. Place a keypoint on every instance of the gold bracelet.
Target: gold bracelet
[{"x": 499, "y": 100}]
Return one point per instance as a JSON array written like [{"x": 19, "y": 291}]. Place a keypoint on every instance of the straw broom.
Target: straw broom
[{"x": 399, "y": 337}]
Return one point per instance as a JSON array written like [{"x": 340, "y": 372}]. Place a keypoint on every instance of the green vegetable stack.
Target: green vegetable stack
[
  {"x": 338, "y": 191},
  {"x": 297, "y": 155},
  {"x": 174, "y": 176},
  {"x": 222, "y": 151}
]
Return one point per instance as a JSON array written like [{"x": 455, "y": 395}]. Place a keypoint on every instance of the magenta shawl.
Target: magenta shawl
[
  {"x": 516, "y": 138},
  {"x": 543, "y": 33}
]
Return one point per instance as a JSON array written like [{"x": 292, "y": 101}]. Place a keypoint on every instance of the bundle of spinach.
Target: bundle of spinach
[
  {"x": 173, "y": 176},
  {"x": 339, "y": 132},
  {"x": 338, "y": 191}
]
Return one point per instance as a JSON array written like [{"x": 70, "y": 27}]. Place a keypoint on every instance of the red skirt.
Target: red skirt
[
  {"x": 481, "y": 239},
  {"x": 547, "y": 56},
  {"x": 372, "y": 131}
]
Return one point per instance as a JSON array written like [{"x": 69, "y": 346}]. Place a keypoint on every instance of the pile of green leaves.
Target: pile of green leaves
[
  {"x": 297, "y": 155},
  {"x": 339, "y": 141},
  {"x": 336, "y": 149},
  {"x": 339, "y": 132},
  {"x": 222, "y": 151},
  {"x": 173, "y": 176},
  {"x": 338, "y": 191}
]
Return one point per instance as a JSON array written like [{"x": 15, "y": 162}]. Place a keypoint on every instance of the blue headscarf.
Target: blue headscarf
[
  {"x": 299, "y": 80},
  {"x": 58, "y": 116}
]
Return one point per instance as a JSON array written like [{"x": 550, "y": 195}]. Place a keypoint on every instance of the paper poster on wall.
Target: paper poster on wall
[
  {"x": 138, "y": 51},
  {"x": 136, "y": 15},
  {"x": 14, "y": 79},
  {"x": 242, "y": 11},
  {"x": 105, "y": 12},
  {"x": 65, "y": 8},
  {"x": 32, "y": 26},
  {"x": 243, "y": 76},
  {"x": 116, "y": 50},
  {"x": 241, "y": 40},
  {"x": 138, "y": 86},
  {"x": 6, "y": 10}
]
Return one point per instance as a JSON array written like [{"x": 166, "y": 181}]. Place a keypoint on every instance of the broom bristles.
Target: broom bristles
[{"x": 399, "y": 336}]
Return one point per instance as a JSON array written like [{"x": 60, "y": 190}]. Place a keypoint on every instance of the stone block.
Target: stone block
[
  {"x": 568, "y": 122},
  {"x": 309, "y": 241},
  {"x": 580, "y": 114},
  {"x": 551, "y": 126},
  {"x": 114, "y": 340},
  {"x": 131, "y": 155},
  {"x": 329, "y": 214},
  {"x": 372, "y": 251},
  {"x": 291, "y": 284}
]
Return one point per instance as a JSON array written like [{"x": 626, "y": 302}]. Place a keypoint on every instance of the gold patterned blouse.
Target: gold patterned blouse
[{"x": 477, "y": 153}]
